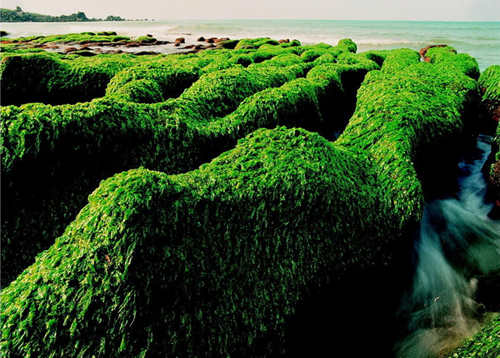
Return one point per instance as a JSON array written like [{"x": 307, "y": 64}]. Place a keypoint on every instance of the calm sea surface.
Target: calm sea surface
[{"x": 479, "y": 39}]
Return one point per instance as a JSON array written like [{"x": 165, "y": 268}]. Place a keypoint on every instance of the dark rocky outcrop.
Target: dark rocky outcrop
[{"x": 178, "y": 41}]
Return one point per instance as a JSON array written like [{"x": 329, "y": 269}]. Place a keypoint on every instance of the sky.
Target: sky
[{"x": 407, "y": 10}]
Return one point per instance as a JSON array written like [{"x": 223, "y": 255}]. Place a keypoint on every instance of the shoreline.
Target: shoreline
[{"x": 140, "y": 46}]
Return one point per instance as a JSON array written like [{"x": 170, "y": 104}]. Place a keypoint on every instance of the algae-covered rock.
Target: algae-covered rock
[
  {"x": 46, "y": 78},
  {"x": 490, "y": 86},
  {"x": 233, "y": 245},
  {"x": 447, "y": 57},
  {"x": 146, "y": 39},
  {"x": 69, "y": 149},
  {"x": 402, "y": 113},
  {"x": 348, "y": 45},
  {"x": 489, "y": 83},
  {"x": 84, "y": 37},
  {"x": 152, "y": 82},
  {"x": 215, "y": 260}
]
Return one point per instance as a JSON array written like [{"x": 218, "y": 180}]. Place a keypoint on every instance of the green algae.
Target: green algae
[
  {"x": 47, "y": 78},
  {"x": 80, "y": 38},
  {"x": 267, "y": 204},
  {"x": 152, "y": 82},
  {"x": 490, "y": 81},
  {"x": 447, "y": 58},
  {"x": 401, "y": 111},
  {"x": 70, "y": 148},
  {"x": 215, "y": 259}
]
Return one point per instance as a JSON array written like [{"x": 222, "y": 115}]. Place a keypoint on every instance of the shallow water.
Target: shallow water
[
  {"x": 479, "y": 39},
  {"x": 457, "y": 243}
]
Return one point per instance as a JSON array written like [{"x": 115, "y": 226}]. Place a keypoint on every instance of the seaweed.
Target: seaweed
[
  {"x": 404, "y": 112},
  {"x": 171, "y": 114},
  {"x": 47, "y": 78},
  {"x": 210, "y": 246},
  {"x": 279, "y": 202},
  {"x": 81, "y": 38}
]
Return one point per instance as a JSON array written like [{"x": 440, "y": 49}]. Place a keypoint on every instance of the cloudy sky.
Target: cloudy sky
[{"x": 427, "y": 10}]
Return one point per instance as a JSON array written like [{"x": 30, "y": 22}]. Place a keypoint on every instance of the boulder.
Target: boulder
[
  {"x": 179, "y": 40},
  {"x": 424, "y": 50},
  {"x": 201, "y": 39}
]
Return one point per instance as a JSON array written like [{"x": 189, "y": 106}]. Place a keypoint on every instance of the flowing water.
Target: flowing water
[{"x": 457, "y": 243}]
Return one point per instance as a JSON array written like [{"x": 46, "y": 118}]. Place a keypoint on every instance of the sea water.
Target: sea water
[
  {"x": 479, "y": 39},
  {"x": 456, "y": 246}
]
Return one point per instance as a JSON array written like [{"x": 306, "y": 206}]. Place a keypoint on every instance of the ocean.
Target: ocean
[{"x": 479, "y": 39}]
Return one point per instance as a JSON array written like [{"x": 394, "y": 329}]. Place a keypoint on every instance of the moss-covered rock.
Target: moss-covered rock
[
  {"x": 46, "y": 78},
  {"x": 280, "y": 203},
  {"x": 200, "y": 111},
  {"x": 83, "y": 37},
  {"x": 152, "y": 82},
  {"x": 348, "y": 45},
  {"x": 215, "y": 260},
  {"x": 146, "y": 39},
  {"x": 489, "y": 83},
  {"x": 402, "y": 112},
  {"x": 447, "y": 57}
]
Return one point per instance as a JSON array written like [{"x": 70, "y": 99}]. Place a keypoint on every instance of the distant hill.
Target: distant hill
[{"x": 18, "y": 15}]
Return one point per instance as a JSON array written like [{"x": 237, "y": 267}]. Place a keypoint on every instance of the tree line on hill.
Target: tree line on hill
[{"x": 18, "y": 15}]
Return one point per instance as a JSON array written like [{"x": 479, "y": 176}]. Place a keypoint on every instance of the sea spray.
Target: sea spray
[{"x": 456, "y": 243}]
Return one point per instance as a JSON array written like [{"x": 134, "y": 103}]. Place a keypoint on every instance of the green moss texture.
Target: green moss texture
[
  {"x": 168, "y": 113},
  {"x": 216, "y": 215}
]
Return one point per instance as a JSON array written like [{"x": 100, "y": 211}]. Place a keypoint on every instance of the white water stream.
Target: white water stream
[{"x": 457, "y": 243}]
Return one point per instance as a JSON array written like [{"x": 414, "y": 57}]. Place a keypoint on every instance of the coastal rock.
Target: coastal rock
[
  {"x": 211, "y": 40},
  {"x": 284, "y": 41},
  {"x": 70, "y": 49},
  {"x": 424, "y": 50},
  {"x": 107, "y": 33},
  {"x": 179, "y": 41},
  {"x": 201, "y": 39}
]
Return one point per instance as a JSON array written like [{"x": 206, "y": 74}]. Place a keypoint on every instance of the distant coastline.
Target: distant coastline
[{"x": 18, "y": 15}]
